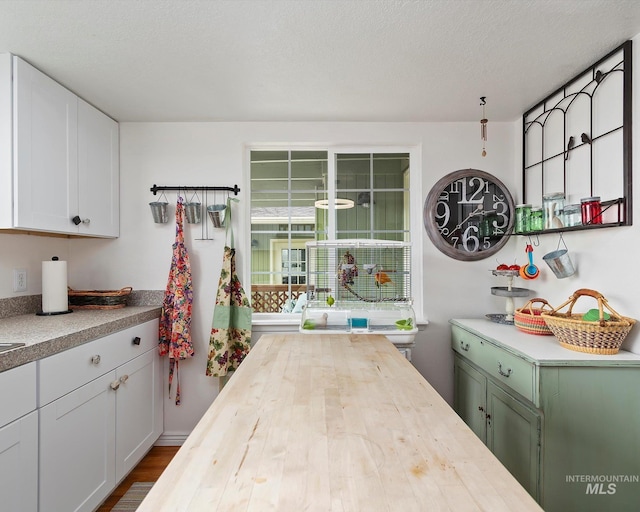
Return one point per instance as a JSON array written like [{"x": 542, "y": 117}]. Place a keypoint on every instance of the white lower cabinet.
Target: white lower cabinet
[
  {"x": 93, "y": 435},
  {"x": 19, "y": 440},
  {"x": 19, "y": 464},
  {"x": 138, "y": 418},
  {"x": 77, "y": 448}
]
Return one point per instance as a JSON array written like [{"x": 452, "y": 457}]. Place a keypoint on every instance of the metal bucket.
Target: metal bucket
[
  {"x": 193, "y": 212},
  {"x": 217, "y": 214},
  {"x": 560, "y": 263},
  {"x": 159, "y": 212}
]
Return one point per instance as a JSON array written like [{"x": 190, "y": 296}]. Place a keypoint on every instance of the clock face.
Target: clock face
[{"x": 469, "y": 214}]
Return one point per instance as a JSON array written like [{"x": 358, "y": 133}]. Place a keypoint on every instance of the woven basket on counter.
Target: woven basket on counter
[
  {"x": 595, "y": 337},
  {"x": 529, "y": 319},
  {"x": 99, "y": 299}
]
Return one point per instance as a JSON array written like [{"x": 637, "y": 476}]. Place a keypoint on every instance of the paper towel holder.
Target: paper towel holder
[{"x": 51, "y": 313}]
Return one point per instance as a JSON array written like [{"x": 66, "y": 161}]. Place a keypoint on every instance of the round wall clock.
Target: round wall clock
[{"x": 469, "y": 214}]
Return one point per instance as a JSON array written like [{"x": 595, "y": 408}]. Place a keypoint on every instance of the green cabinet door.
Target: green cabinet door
[
  {"x": 470, "y": 397},
  {"x": 513, "y": 435}
]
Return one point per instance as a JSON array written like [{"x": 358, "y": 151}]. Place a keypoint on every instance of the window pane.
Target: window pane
[
  {"x": 389, "y": 170},
  {"x": 388, "y": 211},
  {"x": 353, "y": 171},
  {"x": 269, "y": 170}
]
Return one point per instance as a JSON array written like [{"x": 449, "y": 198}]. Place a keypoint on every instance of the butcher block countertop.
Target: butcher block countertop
[{"x": 332, "y": 422}]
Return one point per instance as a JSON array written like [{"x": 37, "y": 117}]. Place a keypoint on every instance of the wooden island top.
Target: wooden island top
[{"x": 332, "y": 422}]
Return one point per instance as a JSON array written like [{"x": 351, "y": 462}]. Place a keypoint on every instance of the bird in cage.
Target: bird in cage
[
  {"x": 348, "y": 269},
  {"x": 382, "y": 278}
]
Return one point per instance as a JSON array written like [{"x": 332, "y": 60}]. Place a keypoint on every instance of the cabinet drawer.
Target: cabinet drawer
[
  {"x": 500, "y": 364},
  {"x": 467, "y": 344},
  {"x": 509, "y": 369},
  {"x": 68, "y": 370}
]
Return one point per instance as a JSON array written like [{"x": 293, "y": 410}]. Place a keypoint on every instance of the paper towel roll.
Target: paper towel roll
[{"x": 54, "y": 286}]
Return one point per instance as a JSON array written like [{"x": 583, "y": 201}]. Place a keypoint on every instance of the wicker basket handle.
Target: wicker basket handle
[
  {"x": 602, "y": 302},
  {"x": 587, "y": 291},
  {"x": 529, "y": 305}
]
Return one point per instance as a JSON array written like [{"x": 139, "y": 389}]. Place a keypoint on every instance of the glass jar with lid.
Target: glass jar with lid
[
  {"x": 523, "y": 213},
  {"x": 552, "y": 205},
  {"x": 572, "y": 215},
  {"x": 536, "y": 219},
  {"x": 591, "y": 210}
]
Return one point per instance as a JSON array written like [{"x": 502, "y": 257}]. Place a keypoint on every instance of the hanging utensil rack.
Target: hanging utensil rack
[
  {"x": 155, "y": 189},
  {"x": 183, "y": 188}
]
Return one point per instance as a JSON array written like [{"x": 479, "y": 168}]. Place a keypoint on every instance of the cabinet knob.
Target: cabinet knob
[
  {"x": 480, "y": 408},
  {"x": 76, "y": 220},
  {"x": 136, "y": 340},
  {"x": 95, "y": 359},
  {"x": 124, "y": 379},
  {"x": 464, "y": 346},
  {"x": 115, "y": 384}
]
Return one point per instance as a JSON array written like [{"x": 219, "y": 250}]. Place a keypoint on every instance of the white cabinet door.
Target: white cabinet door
[
  {"x": 98, "y": 172},
  {"x": 19, "y": 464},
  {"x": 45, "y": 166},
  {"x": 139, "y": 410},
  {"x": 77, "y": 448}
]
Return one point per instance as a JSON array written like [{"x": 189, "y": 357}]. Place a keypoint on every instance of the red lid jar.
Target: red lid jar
[{"x": 591, "y": 210}]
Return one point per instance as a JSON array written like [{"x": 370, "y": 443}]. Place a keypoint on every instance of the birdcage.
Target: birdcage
[{"x": 359, "y": 286}]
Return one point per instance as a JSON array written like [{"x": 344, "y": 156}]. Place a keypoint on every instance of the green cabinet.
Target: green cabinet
[
  {"x": 509, "y": 428},
  {"x": 564, "y": 423}
]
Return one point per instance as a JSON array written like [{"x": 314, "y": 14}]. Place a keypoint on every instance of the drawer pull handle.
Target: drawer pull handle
[
  {"x": 124, "y": 379},
  {"x": 509, "y": 370},
  {"x": 136, "y": 340},
  {"x": 464, "y": 346},
  {"x": 480, "y": 408},
  {"x": 115, "y": 384},
  {"x": 95, "y": 359}
]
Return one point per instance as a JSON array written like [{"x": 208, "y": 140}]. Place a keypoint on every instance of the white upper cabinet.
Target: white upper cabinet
[
  {"x": 65, "y": 166},
  {"x": 98, "y": 172},
  {"x": 45, "y": 151}
]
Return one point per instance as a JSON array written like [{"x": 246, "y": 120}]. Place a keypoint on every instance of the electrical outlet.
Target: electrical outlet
[{"x": 19, "y": 280}]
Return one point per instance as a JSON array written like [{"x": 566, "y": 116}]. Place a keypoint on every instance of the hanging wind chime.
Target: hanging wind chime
[{"x": 483, "y": 125}]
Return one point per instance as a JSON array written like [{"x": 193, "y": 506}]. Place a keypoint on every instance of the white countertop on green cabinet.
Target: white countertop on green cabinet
[
  {"x": 565, "y": 423},
  {"x": 540, "y": 350},
  {"x": 44, "y": 336}
]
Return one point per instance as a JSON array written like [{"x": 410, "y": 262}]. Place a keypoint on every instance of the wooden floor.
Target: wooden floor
[{"x": 148, "y": 470}]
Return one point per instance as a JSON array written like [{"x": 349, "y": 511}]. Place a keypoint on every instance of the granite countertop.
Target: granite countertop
[{"x": 44, "y": 336}]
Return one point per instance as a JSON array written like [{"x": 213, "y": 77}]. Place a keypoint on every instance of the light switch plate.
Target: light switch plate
[{"x": 19, "y": 280}]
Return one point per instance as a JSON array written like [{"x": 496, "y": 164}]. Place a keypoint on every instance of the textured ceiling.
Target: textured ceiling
[{"x": 314, "y": 60}]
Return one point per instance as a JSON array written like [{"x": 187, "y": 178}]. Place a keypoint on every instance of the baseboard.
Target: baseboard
[{"x": 171, "y": 439}]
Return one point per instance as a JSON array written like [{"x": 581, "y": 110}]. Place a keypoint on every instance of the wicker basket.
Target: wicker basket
[
  {"x": 99, "y": 299},
  {"x": 599, "y": 337},
  {"x": 528, "y": 319}
]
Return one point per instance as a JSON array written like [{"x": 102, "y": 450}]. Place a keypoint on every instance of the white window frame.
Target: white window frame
[{"x": 415, "y": 209}]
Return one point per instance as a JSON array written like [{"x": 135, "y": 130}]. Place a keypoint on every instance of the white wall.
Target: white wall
[{"x": 213, "y": 154}]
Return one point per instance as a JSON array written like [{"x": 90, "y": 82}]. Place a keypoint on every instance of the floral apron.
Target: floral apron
[
  {"x": 230, "y": 338},
  {"x": 175, "y": 318}
]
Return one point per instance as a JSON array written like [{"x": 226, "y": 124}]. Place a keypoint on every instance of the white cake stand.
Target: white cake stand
[{"x": 508, "y": 292}]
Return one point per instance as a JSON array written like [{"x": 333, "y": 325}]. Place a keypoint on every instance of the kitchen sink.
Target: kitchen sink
[{"x": 9, "y": 346}]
